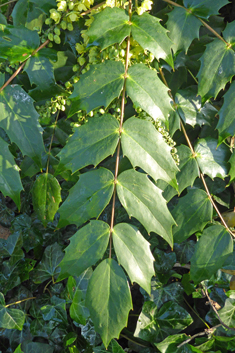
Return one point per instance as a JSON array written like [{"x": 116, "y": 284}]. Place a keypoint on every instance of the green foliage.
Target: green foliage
[{"x": 112, "y": 157}]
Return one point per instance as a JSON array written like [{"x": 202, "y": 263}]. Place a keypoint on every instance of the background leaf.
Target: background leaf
[
  {"x": 191, "y": 214},
  {"x": 205, "y": 8},
  {"x": 10, "y": 182},
  {"x": 211, "y": 159},
  {"x": 108, "y": 307},
  {"x": 226, "y": 124},
  {"x": 227, "y": 313},
  {"x": 211, "y": 251},
  {"x": 151, "y": 154},
  {"x": 133, "y": 253},
  {"x": 46, "y": 197},
  {"x": 87, "y": 198},
  {"x": 86, "y": 247},
  {"x": 144, "y": 201}
]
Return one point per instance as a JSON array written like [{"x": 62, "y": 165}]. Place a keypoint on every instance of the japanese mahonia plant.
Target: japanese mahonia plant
[{"x": 119, "y": 130}]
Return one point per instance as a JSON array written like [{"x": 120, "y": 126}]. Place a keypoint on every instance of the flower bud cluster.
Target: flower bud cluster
[
  {"x": 50, "y": 108},
  {"x": 145, "y": 6}
]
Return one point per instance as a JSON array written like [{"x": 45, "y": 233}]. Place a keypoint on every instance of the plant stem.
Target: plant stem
[
  {"x": 203, "y": 22},
  {"x": 205, "y": 332},
  {"x": 194, "y": 155},
  {"x": 93, "y": 8},
  {"x": 20, "y": 301},
  {"x": 52, "y": 137},
  {"x": 9, "y": 2},
  {"x": 23, "y": 64},
  {"x": 119, "y": 142}
]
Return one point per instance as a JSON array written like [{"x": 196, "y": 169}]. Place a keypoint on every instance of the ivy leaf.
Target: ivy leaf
[
  {"x": 86, "y": 247},
  {"x": 148, "y": 32},
  {"x": 41, "y": 73},
  {"x": 10, "y": 182},
  {"x": 211, "y": 159},
  {"x": 90, "y": 144},
  {"x": 162, "y": 294},
  {"x": 12, "y": 47},
  {"x": 20, "y": 121},
  {"x": 109, "y": 307},
  {"x": 226, "y": 124},
  {"x": 148, "y": 92},
  {"x": 205, "y": 8},
  {"x": 48, "y": 266},
  {"x": 31, "y": 13},
  {"x": 171, "y": 343},
  {"x": 10, "y": 318},
  {"x": 46, "y": 197},
  {"x": 77, "y": 290},
  {"x": 87, "y": 198},
  {"x": 154, "y": 325},
  {"x": 110, "y": 26},
  {"x": 217, "y": 65},
  {"x": 152, "y": 154},
  {"x": 55, "y": 311},
  {"x": 18, "y": 349},
  {"x": 144, "y": 201},
  {"x": 36, "y": 347},
  {"x": 186, "y": 176},
  {"x": 190, "y": 108},
  {"x": 183, "y": 28},
  {"x": 227, "y": 313},
  {"x": 98, "y": 87},
  {"x": 211, "y": 251},
  {"x": 190, "y": 209},
  {"x": 133, "y": 253}
]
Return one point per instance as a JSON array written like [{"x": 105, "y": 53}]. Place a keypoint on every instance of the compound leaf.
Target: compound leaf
[
  {"x": 110, "y": 26},
  {"x": 226, "y": 124},
  {"x": 90, "y": 144},
  {"x": 12, "y": 47},
  {"x": 87, "y": 198},
  {"x": 133, "y": 253},
  {"x": 148, "y": 92},
  {"x": 212, "y": 160},
  {"x": 20, "y": 121},
  {"x": 191, "y": 214},
  {"x": 144, "y": 201},
  {"x": 108, "y": 299},
  {"x": 148, "y": 32},
  {"x": 205, "y": 8},
  {"x": 145, "y": 148},
  {"x": 46, "y": 197},
  {"x": 183, "y": 28},
  {"x": 10, "y": 182},
  {"x": 211, "y": 251},
  {"x": 86, "y": 247},
  {"x": 154, "y": 325},
  {"x": 98, "y": 87}
]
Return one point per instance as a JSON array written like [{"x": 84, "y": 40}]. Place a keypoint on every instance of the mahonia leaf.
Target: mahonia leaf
[
  {"x": 90, "y": 144},
  {"x": 148, "y": 92},
  {"x": 188, "y": 172},
  {"x": 97, "y": 87},
  {"x": 212, "y": 249},
  {"x": 10, "y": 318},
  {"x": 110, "y": 26},
  {"x": 232, "y": 168},
  {"x": 108, "y": 299},
  {"x": 217, "y": 65},
  {"x": 133, "y": 253},
  {"x": 211, "y": 159},
  {"x": 183, "y": 28},
  {"x": 190, "y": 209},
  {"x": 12, "y": 47},
  {"x": 148, "y": 32},
  {"x": 154, "y": 325},
  {"x": 41, "y": 73},
  {"x": 20, "y": 121},
  {"x": 10, "y": 182},
  {"x": 46, "y": 197},
  {"x": 226, "y": 124},
  {"x": 144, "y": 201},
  {"x": 152, "y": 154},
  {"x": 87, "y": 198},
  {"x": 190, "y": 108},
  {"x": 205, "y": 8},
  {"x": 86, "y": 247}
]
